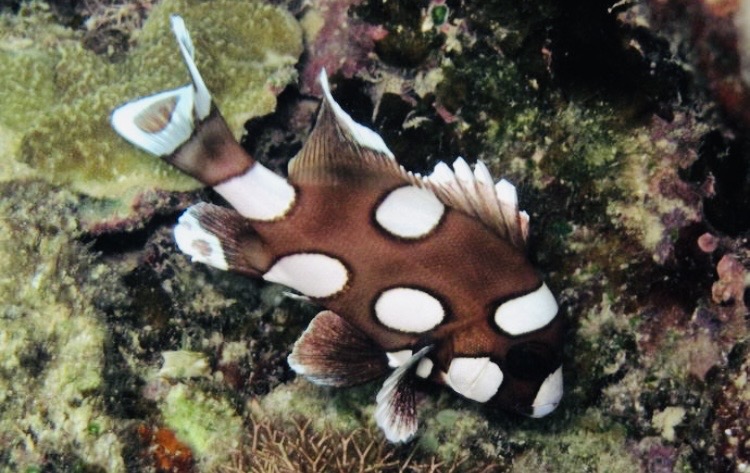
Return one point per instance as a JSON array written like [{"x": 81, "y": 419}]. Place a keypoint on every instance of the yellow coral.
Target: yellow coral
[{"x": 57, "y": 96}]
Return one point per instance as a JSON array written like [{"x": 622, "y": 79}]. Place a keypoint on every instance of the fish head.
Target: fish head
[{"x": 513, "y": 361}]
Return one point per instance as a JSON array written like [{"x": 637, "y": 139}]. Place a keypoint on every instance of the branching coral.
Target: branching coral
[{"x": 293, "y": 445}]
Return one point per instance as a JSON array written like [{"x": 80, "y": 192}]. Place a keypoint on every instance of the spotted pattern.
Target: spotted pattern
[
  {"x": 409, "y": 212},
  {"x": 157, "y": 116},
  {"x": 527, "y": 313},
  {"x": 424, "y": 368},
  {"x": 259, "y": 194},
  {"x": 312, "y": 274},
  {"x": 408, "y": 310},
  {"x": 475, "y": 378},
  {"x": 549, "y": 394}
]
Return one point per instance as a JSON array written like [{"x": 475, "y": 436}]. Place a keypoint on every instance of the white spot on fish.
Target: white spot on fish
[
  {"x": 312, "y": 274},
  {"x": 475, "y": 378},
  {"x": 409, "y": 212},
  {"x": 408, "y": 310},
  {"x": 527, "y": 313},
  {"x": 424, "y": 368}
]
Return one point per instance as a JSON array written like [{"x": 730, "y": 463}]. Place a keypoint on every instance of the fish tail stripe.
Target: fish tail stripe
[
  {"x": 211, "y": 154},
  {"x": 258, "y": 193}
]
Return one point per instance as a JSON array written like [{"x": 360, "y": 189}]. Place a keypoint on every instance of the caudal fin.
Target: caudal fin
[{"x": 183, "y": 126}]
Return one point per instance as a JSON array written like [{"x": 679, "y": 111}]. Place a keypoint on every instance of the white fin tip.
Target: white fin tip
[
  {"x": 361, "y": 134},
  {"x": 462, "y": 170},
  {"x": 202, "y": 96},
  {"x": 482, "y": 174},
  {"x": 158, "y": 124},
  {"x": 506, "y": 193}
]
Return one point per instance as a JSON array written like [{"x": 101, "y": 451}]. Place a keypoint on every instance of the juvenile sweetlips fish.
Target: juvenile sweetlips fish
[{"x": 422, "y": 277}]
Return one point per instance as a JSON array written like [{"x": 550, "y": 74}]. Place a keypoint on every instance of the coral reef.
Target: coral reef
[
  {"x": 52, "y": 334},
  {"x": 57, "y": 94},
  {"x": 624, "y": 130}
]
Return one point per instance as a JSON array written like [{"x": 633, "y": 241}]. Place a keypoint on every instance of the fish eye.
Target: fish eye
[{"x": 530, "y": 361}]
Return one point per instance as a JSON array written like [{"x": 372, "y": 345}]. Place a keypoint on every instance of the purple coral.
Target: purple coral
[{"x": 343, "y": 45}]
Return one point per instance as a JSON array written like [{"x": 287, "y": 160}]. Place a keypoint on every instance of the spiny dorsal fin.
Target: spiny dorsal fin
[
  {"x": 474, "y": 193},
  {"x": 396, "y": 411},
  {"x": 332, "y": 352},
  {"x": 341, "y": 150}
]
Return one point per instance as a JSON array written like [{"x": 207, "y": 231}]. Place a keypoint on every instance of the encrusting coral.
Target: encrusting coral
[{"x": 56, "y": 93}]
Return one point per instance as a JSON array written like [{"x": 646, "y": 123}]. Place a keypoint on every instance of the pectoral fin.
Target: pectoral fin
[{"x": 332, "y": 352}]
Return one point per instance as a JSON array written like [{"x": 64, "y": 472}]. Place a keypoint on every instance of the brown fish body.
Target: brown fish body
[{"x": 427, "y": 276}]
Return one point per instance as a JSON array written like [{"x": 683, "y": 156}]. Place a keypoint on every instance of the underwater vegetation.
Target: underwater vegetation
[{"x": 622, "y": 125}]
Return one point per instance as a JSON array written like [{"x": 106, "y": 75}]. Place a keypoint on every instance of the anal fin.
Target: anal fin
[
  {"x": 396, "y": 411},
  {"x": 332, "y": 352},
  {"x": 222, "y": 238}
]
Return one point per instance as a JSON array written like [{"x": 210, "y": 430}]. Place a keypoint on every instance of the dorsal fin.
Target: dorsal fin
[
  {"x": 340, "y": 150},
  {"x": 474, "y": 193}
]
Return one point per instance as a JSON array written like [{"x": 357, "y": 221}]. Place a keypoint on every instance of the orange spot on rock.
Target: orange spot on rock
[{"x": 168, "y": 453}]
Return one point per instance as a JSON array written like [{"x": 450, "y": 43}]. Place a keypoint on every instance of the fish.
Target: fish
[{"x": 417, "y": 277}]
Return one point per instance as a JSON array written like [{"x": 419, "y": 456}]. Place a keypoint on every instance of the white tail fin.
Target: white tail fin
[{"x": 160, "y": 123}]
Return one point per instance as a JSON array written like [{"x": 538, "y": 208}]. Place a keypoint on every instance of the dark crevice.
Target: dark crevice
[
  {"x": 724, "y": 164},
  {"x": 125, "y": 242},
  {"x": 275, "y": 138}
]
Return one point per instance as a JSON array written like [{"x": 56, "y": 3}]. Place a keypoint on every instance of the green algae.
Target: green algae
[
  {"x": 328, "y": 409},
  {"x": 51, "y": 335},
  {"x": 57, "y": 96},
  {"x": 594, "y": 444},
  {"x": 208, "y": 424}
]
